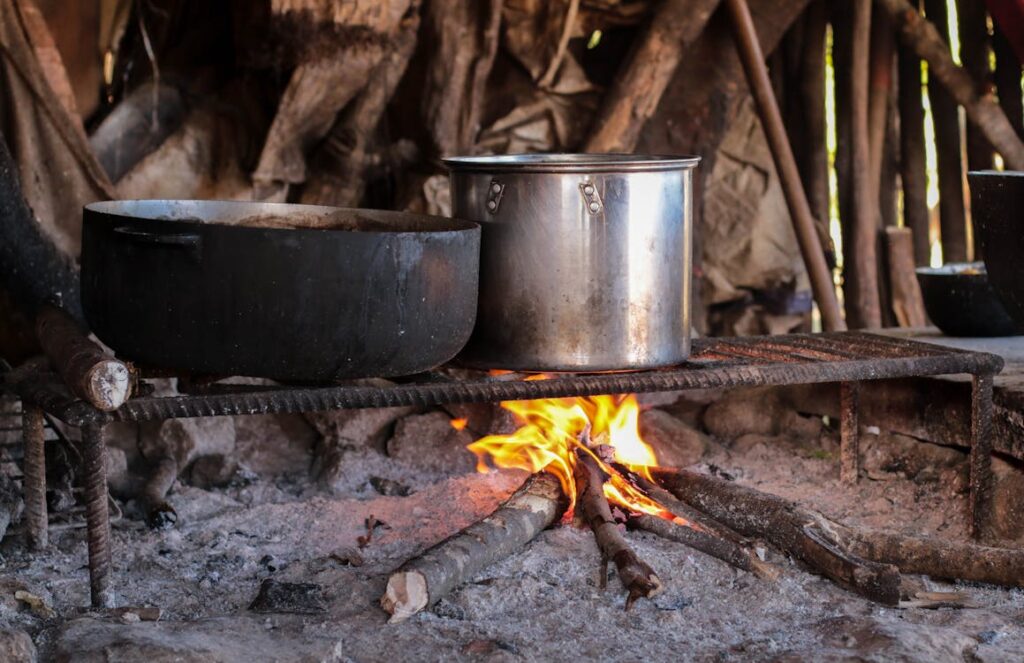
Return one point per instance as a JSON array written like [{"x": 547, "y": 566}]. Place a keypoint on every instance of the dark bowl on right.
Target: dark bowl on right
[
  {"x": 997, "y": 208},
  {"x": 961, "y": 302}
]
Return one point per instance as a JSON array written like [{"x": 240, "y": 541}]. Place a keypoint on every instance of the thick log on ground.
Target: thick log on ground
[
  {"x": 940, "y": 558},
  {"x": 913, "y": 174},
  {"x": 637, "y": 577},
  {"x": 88, "y": 371},
  {"x": 427, "y": 578},
  {"x": 642, "y": 79},
  {"x": 983, "y": 111},
  {"x": 797, "y": 531}
]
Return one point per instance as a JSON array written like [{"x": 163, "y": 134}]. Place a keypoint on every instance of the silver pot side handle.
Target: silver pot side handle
[
  {"x": 495, "y": 191},
  {"x": 591, "y": 198}
]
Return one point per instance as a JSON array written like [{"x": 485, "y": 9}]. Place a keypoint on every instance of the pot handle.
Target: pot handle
[{"x": 190, "y": 241}]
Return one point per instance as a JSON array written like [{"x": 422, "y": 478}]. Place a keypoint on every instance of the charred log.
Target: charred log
[
  {"x": 637, "y": 577},
  {"x": 800, "y": 532}
]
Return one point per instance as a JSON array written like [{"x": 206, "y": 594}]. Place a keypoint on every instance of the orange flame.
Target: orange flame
[
  {"x": 459, "y": 424},
  {"x": 551, "y": 431}
]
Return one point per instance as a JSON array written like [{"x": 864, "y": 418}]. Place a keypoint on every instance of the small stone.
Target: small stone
[
  {"x": 130, "y": 618},
  {"x": 675, "y": 443},
  {"x": 428, "y": 440},
  {"x": 1007, "y": 500},
  {"x": 389, "y": 488},
  {"x": 301, "y": 598},
  {"x": 35, "y": 603},
  {"x": 16, "y": 647}
]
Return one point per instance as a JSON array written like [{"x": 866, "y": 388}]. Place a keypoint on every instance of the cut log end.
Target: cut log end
[
  {"x": 405, "y": 595},
  {"x": 108, "y": 384}
]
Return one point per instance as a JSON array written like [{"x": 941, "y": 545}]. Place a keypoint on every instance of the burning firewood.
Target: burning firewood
[
  {"x": 637, "y": 577},
  {"x": 795, "y": 529},
  {"x": 429, "y": 577},
  {"x": 804, "y": 534},
  {"x": 702, "y": 533}
]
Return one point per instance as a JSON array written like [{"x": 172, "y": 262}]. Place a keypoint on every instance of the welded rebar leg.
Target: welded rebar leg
[
  {"x": 981, "y": 457},
  {"x": 849, "y": 432},
  {"x": 34, "y": 482},
  {"x": 97, "y": 516}
]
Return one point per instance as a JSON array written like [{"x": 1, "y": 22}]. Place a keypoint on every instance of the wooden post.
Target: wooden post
[
  {"x": 952, "y": 220},
  {"x": 982, "y": 111},
  {"x": 1007, "y": 80},
  {"x": 849, "y": 432},
  {"x": 912, "y": 153},
  {"x": 813, "y": 160},
  {"x": 796, "y": 200},
  {"x": 974, "y": 54},
  {"x": 864, "y": 202},
  {"x": 907, "y": 302}
]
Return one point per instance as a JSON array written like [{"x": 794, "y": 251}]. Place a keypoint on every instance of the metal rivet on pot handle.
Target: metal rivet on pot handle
[
  {"x": 495, "y": 190},
  {"x": 591, "y": 199}
]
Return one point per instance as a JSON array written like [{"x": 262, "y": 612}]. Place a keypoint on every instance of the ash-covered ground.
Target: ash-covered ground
[{"x": 267, "y": 518}]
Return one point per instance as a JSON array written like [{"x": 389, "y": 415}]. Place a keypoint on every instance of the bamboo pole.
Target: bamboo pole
[{"x": 803, "y": 222}]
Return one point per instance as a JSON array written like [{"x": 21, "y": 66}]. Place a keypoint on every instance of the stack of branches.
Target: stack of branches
[{"x": 711, "y": 514}]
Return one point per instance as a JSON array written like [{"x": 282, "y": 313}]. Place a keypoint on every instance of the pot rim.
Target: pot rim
[
  {"x": 227, "y": 214},
  {"x": 571, "y": 163}
]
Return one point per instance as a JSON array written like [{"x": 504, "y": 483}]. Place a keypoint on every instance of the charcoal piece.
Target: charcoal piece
[{"x": 300, "y": 598}]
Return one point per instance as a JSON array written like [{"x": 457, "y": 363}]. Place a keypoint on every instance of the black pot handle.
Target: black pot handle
[{"x": 190, "y": 241}]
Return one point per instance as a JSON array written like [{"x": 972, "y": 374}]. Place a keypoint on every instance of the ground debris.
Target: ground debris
[{"x": 300, "y": 598}]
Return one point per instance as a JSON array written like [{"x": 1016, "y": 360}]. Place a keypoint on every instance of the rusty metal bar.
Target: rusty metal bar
[
  {"x": 34, "y": 481},
  {"x": 981, "y": 457},
  {"x": 849, "y": 432},
  {"x": 97, "y": 516}
]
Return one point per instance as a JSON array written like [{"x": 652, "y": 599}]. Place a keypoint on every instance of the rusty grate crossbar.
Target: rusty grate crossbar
[
  {"x": 714, "y": 363},
  {"x": 848, "y": 358}
]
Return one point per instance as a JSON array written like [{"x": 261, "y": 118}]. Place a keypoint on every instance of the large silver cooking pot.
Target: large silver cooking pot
[{"x": 585, "y": 259}]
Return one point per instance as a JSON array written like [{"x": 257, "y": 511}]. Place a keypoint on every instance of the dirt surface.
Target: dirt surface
[{"x": 541, "y": 604}]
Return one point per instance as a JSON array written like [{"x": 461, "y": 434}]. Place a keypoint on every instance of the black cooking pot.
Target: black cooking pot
[
  {"x": 293, "y": 292},
  {"x": 961, "y": 302},
  {"x": 997, "y": 210}
]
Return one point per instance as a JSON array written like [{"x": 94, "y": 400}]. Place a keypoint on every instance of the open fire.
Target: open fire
[{"x": 553, "y": 430}]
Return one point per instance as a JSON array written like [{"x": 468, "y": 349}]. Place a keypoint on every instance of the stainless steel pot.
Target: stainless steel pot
[{"x": 585, "y": 259}]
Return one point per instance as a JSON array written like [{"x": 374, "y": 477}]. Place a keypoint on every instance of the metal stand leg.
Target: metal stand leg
[
  {"x": 849, "y": 432},
  {"x": 981, "y": 457},
  {"x": 97, "y": 516},
  {"x": 34, "y": 483}
]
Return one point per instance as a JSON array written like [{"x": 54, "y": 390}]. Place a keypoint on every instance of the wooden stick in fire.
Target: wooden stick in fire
[
  {"x": 424, "y": 580},
  {"x": 930, "y": 556},
  {"x": 800, "y": 532},
  {"x": 637, "y": 577},
  {"x": 706, "y": 534},
  {"x": 88, "y": 371}
]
